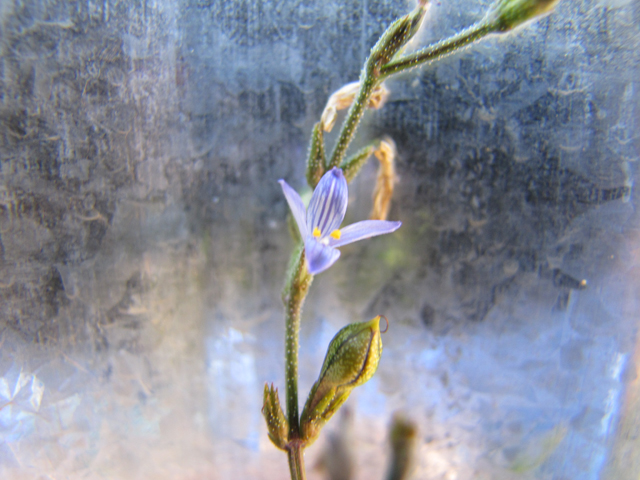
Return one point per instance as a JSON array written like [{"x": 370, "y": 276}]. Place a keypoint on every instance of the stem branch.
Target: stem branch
[{"x": 440, "y": 49}]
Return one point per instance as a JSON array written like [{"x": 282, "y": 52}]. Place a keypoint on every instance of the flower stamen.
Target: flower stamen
[
  {"x": 336, "y": 234},
  {"x": 316, "y": 232}
]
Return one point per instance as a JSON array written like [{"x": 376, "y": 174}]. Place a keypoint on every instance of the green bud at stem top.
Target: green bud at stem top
[
  {"x": 396, "y": 37},
  {"x": 352, "y": 359},
  {"x": 508, "y": 14}
]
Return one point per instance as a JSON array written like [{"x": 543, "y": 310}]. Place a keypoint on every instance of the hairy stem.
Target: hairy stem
[
  {"x": 440, "y": 49},
  {"x": 296, "y": 461},
  {"x": 296, "y": 290},
  {"x": 368, "y": 83}
]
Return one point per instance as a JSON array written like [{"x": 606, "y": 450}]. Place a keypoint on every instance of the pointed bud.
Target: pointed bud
[
  {"x": 397, "y": 36},
  {"x": 352, "y": 359},
  {"x": 508, "y": 14},
  {"x": 276, "y": 421},
  {"x": 316, "y": 159}
]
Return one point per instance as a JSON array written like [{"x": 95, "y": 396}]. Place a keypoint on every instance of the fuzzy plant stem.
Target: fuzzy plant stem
[
  {"x": 368, "y": 83},
  {"x": 296, "y": 461},
  {"x": 296, "y": 290},
  {"x": 440, "y": 49}
]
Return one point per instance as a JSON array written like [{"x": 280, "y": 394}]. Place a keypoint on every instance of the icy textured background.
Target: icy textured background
[{"x": 144, "y": 243}]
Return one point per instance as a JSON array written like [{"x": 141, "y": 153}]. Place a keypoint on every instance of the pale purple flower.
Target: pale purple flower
[{"x": 319, "y": 225}]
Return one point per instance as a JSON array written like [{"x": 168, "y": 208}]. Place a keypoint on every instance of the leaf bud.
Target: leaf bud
[{"x": 397, "y": 36}]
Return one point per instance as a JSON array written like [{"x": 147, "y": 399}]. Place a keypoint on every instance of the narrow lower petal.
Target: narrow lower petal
[
  {"x": 361, "y": 230},
  {"x": 319, "y": 256},
  {"x": 328, "y": 203},
  {"x": 297, "y": 207}
]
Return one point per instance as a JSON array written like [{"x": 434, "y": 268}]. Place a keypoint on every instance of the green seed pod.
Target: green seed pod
[
  {"x": 276, "y": 421},
  {"x": 352, "y": 359},
  {"x": 508, "y": 14}
]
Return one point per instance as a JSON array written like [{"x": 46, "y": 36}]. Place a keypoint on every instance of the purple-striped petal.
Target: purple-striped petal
[
  {"x": 361, "y": 230},
  {"x": 297, "y": 207},
  {"x": 328, "y": 203},
  {"x": 319, "y": 256}
]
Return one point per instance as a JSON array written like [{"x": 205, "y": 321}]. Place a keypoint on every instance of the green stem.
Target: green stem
[
  {"x": 368, "y": 82},
  {"x": 440, "y": 49},
  {"x": 397, "y": 35},
  {"x": 296, "y": 462},
  {"x": 296, "y": 290}
]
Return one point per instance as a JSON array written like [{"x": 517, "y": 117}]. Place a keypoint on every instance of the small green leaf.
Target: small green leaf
[
  {"x": 351, "y": 166},
  {"x": 277, "y": 424}
]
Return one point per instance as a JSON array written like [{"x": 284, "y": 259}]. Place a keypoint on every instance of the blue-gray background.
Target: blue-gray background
[{"x": 144, "y": 243}]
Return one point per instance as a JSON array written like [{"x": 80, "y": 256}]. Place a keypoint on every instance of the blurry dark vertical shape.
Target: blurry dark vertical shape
[
  {"x": 337, "y": 460},
  {"x": 403, "y": 437}
]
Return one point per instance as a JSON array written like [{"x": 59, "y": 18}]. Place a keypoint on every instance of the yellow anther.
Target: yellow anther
[
  {"x": 316, "y": 232},
  {"x": 336, "y": 234}
]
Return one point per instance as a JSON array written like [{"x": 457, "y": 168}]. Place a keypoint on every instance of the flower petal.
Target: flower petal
[
  {"x": 319, "y": 256},
  {"x": 297, "y": 207},
  {"x": 361, "y": 230},
  {"x": 328, "y": 203}
]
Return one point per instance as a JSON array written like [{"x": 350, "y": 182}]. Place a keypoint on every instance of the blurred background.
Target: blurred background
[{"x": 143, "y": 239}]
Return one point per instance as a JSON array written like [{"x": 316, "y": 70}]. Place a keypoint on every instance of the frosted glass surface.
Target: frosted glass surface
[{"x": 143, "y": 239}]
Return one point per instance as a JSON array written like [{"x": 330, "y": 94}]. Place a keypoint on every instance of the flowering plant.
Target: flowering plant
[{"x": 353, "y": 355}]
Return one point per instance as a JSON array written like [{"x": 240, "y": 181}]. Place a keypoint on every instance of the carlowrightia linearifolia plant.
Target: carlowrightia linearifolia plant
[{"x": 353, "y": 354}]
